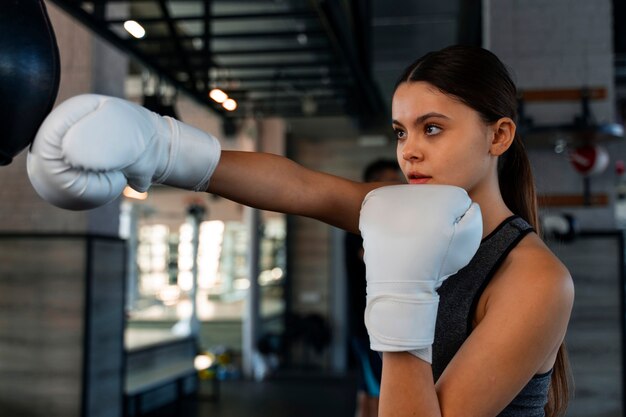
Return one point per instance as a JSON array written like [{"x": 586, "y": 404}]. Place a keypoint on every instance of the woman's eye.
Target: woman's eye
[
  {"x": 400, "y": 134},
  {"x": 432, "y": 130}
]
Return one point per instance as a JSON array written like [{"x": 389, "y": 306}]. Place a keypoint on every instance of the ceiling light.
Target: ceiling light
[
  {"x": 302, "y": 38},
  {"x": 230, "y": 104},
  {"x": 197, "y": 43},
  {"x": 218, "y": 95},
  {"x": 134, "y": 29},
  {"x": 309, "y": 106}
]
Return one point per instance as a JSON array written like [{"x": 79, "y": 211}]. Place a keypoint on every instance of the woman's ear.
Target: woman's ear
[{"x": 503, "y": 136}]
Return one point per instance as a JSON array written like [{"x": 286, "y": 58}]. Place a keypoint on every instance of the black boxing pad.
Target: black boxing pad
[{"x": 29, "y": 73}]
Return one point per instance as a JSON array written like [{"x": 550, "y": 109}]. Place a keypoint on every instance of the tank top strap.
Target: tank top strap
[
  {"x": 494, "y": 249},
  {"x": 460, "y": 293}
]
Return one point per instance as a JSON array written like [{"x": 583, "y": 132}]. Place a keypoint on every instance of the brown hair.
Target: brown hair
[{"x": 477, "y": 78}]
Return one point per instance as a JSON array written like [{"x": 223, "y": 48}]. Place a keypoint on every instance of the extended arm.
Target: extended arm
[
  {"x": 275, "y": 183},
  {"x": 90, "y": 147}
]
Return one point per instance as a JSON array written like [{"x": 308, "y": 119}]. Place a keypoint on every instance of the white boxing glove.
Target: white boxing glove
[
  {"x": 414, "y": 237},
  {"x": 91, "y": 146}
]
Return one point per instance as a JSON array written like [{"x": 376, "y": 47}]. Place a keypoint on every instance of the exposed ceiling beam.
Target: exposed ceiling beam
[
  {"x": 174, "y": 63},
  {"x": 250, "y": 53},
  {"x": 264, "y": 51},
  {"x": 283, "y": 84},
  {"x": 296, "y": 14},
  {"x": 206, "y": 44},
  {"x": 333, "y": 76},
  {"x": 182, "y": 56},
  {"x": 239, "y": 35}
]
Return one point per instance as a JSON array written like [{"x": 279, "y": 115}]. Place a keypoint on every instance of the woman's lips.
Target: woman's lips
[
  {"x": 419, "y": 180},
  {"x": 416, "y": 177}
]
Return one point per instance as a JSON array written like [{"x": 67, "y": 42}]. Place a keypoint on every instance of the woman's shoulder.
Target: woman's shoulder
[
  {"x": 531, "y": 282},
  {"x": 522, "y": 316},
  {"x": 533, "y": 255},
  {"x": 532, "y": 267}
]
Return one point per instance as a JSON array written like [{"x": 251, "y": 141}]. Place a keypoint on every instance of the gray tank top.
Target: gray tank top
[{"x": 459, "y": 296}]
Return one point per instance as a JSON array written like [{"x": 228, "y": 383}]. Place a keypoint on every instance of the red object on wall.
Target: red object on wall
[{"x": 589, "y": 159}]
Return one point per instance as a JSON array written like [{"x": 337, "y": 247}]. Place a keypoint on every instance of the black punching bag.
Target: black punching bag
[{"x": 29, "y": 73}]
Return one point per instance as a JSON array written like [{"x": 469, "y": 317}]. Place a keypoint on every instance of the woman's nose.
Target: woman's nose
[{"x": 411, "y": 150}]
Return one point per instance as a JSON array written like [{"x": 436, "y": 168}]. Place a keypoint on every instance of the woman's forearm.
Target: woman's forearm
[
  {"x": 407, "y": 387},
  {"x": 256, "y": 179},
  {"x": 272, "y": 182}
]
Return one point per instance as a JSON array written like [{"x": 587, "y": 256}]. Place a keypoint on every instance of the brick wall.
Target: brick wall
[
  {"x": 554, "y": 44},
  {"x": 551, "y": 44}
]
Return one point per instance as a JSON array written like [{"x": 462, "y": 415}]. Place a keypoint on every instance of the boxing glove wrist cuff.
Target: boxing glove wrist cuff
[
  {"x": 425, "y": 354},
  {"x": 193, "y": 156},
  {"x": 398, "y": 322}
]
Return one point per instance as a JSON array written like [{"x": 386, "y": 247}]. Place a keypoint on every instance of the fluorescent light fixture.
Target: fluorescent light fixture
[
  {"x": 230, "y": 104},
  {"x": 218, "y": 95},
  {"x": 134, "y": 29}
]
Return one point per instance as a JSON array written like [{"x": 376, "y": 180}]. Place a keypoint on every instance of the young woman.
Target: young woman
[
  {"x": 454, "y": 115},
  {"x": 498, "y": 341}
]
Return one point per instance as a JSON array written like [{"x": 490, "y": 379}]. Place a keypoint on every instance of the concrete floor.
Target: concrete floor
[{"x": 304, "y": 396}]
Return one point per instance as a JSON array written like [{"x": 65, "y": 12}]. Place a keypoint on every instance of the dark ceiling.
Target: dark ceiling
[
  {"x": 287, "y": 58},
  {"x": 274, "y": 57},
  {"x": 294, "y": 58}
]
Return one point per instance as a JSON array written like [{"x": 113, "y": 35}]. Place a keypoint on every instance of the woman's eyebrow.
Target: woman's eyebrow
[{"x": 421, "y": 119}]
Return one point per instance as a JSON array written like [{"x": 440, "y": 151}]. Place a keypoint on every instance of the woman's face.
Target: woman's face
[{"x": 440, "y": 139}]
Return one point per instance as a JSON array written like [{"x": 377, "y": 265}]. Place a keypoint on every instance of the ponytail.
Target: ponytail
[
  {"x": 561, "y": 385},
  {"x": 518, "y": 191},
  {"x": 517, "y": 185}
]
